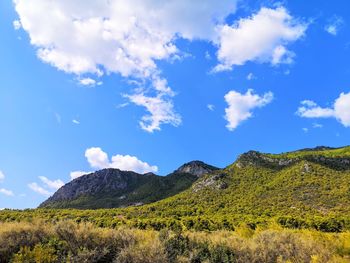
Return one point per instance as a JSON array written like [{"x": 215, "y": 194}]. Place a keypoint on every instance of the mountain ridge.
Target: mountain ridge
[
  {"x": 108, "y": 188},
  {"x": 297, "y": 183}
]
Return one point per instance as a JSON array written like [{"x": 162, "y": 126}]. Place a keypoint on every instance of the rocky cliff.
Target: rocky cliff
[{"x": 115, "y": 188}]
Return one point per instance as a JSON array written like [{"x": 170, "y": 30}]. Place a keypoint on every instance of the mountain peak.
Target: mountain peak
[{"x": 197, "y": 168}]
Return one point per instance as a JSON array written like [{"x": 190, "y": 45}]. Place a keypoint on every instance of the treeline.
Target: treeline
[
  {"x": 68, "y": 241},
  {"x": 115, "y": 218}
]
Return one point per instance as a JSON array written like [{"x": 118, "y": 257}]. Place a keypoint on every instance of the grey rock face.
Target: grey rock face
[
  {"x": 106, "y": 180},
  {"x": 197, "y": 168},
  {"x": 212, "y": 182},
  {"x": 117, "y": 188}
]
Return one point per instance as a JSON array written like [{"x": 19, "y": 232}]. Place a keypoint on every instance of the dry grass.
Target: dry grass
[{"x": 71, "y": 242}]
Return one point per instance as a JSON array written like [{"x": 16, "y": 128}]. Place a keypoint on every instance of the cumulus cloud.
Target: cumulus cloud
[
  {"x": 241, "y": 106},
  {"x": 98, "y": 159},
  {"x": 6, "y": 192},
  {"x": 56, "y": 184},
  {"x": 263, "y": 37},
  {"x": 38, "y": 189},
  {"x": 340, "y": 110},
  {"x": 334, "y": 25},
  {"x": 127, "y": 37}
]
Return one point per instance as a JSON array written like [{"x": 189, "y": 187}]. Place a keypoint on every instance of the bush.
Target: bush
[{"x": 71, "y": 242}]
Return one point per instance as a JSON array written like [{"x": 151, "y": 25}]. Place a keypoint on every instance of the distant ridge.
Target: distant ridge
[
  {"x": 308, "y": 188},
  {"x": 109, "y": 188}
]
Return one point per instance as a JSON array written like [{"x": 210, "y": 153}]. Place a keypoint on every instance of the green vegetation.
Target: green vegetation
[
  {"x": 307, "y": 194},
  {"x": 323, "y": 151},
  {"x": 293, "y": 207},
  {"x": 70, "y": 242}
]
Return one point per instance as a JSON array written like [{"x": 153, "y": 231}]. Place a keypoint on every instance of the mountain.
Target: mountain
[
  {"x": 306, "y": 188},
  {"x": 110, "y": 188},
  {"x": 309, "y": 186}
]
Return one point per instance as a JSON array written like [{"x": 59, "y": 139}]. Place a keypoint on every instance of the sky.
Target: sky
[{"x": 147, "y": 85}]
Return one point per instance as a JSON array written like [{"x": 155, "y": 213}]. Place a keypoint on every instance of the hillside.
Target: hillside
[
  {"x": 309, "y": 188},
  {"x": 299, "y": 188},
  {"x": 110, "y": 188}
]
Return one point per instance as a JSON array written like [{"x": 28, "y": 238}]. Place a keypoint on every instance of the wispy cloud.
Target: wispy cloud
[
  {"x": 334, "y": 25},
  {"x": 38, "y": 189},
  {"x": 211, "y": 107},
  {"x": 2, "y": 176},
  {"x": 56, "y": 184},
  {"x": 6, "y": 192}
]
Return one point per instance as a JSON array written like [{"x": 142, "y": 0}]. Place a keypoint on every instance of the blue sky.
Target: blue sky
[{"x": 72, "y": 98}]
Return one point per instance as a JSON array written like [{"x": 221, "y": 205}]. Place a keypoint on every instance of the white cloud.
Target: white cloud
[
  {"x": 306, "y": 130},
  {"x": 6, "y": 192},
  {"x": 131, "y": 163},
  {"x": 334, "y": 25},
  {"x": 89, "y": 82},
  {"x": 263, "y": 37},
  {"x": 17, "y": 24},
  {"x": 38, "y": 189},
  {"x": 55, "y": 185},
  {"x": 310, "y": 109},
  {"x": 3, "y": 190},
  {"x": 76, "y": 174},
  {"x": 2, "y": 176},
  {"x": 241, "y": 106},
  {"x": 122, "y": 105},
  {"x": 250, "y": 76},
  {"x": 317, "y": 125},
  {"x": 160, "y": 109},
  {"x": 211, "y": 107},
  {"x": 98, "y": 159},
  {"x": 47, "y": 183},
  {"x": 76, "y": 121},
  {"x": 207, "y": 55},
  {"x": 127, "y": 37},
  {"x": 340, "y": 110}
]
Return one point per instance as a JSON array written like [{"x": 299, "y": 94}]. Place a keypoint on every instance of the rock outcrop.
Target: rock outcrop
[
  {"x": 197, "y": 168},
  {"x": 110, "y": 188}
]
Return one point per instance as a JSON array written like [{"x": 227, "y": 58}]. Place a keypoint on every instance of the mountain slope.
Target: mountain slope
[
  {"x": 110, "y": 188},
  {"x": 305, "y": 185}
]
